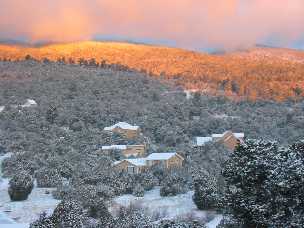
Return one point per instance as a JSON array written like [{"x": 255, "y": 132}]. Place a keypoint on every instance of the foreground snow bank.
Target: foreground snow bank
[{"x": 180, "y": 206}]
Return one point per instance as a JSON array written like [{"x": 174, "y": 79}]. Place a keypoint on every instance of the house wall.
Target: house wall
[
  {"x": 229, "y": 141},
  {"x": 135, "y": 150},
  {"x": 175, "y": 162},
  {"x": 129, "y": 134},
  {"x": 123, "y": 167}
]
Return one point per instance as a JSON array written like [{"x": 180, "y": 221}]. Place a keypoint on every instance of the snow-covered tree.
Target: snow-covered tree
[
  {"x": 138, "y": 191},
  {"x": 266, "y": 184},
  {"x": 20, "y": 186},
  {"x": 48, "y": 178},
  {"x": 205, "y": 191}
]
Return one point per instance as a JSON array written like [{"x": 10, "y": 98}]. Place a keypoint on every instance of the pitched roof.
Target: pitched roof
[
  {"x": 237, "y": 135},
  {"x": 161, "y": 156},
  {"x": 114, "y": 147},
  {"x": 122, "y": 125},
  {"x": 135, "y": 161},
  {"x": 200, "y": 141}
]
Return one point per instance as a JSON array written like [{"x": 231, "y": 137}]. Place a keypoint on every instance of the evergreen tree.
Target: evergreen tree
[
  {"x": 205, "y": 191},
  {"x": 265, "y": 184}
]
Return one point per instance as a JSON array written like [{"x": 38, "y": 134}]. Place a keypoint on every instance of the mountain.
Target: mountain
[{"x": 257, "y": 73}]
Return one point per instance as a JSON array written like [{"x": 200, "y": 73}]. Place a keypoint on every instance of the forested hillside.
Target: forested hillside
[
  {"x": 56, "y": 136},
  {"x": 260, "y": 73}
]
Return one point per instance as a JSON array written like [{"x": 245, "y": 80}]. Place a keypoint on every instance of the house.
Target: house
[
  {"x": 239, "y": 136},
  {"x": 168, "y": 160},
  {"x": 201, "y": 141},
  {"x": 139, "y": 165},
  {"x": 126, "y": 150},
  {"x": 126, "y": 130},
  {"x": 228, "y": 139},
  {"x": 132, "y": 166}
]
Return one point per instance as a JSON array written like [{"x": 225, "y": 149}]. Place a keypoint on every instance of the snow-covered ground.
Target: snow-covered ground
[
  {"x": 167, "y": 207},
  {"x": 20, "y": 214}
]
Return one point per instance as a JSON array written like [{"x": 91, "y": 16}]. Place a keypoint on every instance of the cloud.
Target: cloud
[{"x": 186, "y": 23}]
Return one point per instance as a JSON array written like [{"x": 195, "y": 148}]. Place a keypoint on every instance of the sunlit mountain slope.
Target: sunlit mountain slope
[{"x": 258, "y": 73}]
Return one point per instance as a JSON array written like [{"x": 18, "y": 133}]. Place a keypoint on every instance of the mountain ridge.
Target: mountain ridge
[{"x": 257, "y": 73}]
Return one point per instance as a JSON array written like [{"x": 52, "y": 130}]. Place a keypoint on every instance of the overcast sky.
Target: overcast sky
[{"x": 192, "y": 24}]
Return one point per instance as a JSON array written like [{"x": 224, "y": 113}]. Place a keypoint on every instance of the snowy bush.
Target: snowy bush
[
  {"x": 105, "y": 192},
  {"x": 20, "y": 186},
  {"x": 43, "y": 222},
  {"x": 205, "y": 191},
  {"x": 138, "y": 191},
  {"x": 63, "y": 191},
  {"x": 132, "y": 216},
  {"x": 68, "y": 214},
  {"x": 48, "y": 178},
  {"x": 228, "y": 222},
  {"x": 98, "y": 210},
  {"x": 147, "y": 180},
  {"x": 173, "y": 184}
]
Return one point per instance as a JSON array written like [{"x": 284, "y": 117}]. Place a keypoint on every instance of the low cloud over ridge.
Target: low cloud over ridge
[{"x": 185, "y": 23}]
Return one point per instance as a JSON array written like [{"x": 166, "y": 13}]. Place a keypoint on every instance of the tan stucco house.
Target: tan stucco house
[
  {"x": 139, "y": 165},
  {"x": 126, "y": 130},
  {"x": 126, "y": 150},
  {"x": 229, "y": 139}
]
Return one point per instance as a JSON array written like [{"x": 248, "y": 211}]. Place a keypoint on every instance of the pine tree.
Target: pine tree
[{"x": 265, "y": 184}]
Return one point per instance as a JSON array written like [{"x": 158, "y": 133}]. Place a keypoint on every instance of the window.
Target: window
[{"x": 131, "y": 169}]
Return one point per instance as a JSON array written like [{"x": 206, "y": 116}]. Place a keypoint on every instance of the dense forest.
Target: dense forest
[
  {"x": 58, "y": 139},
  {"x": 261, "y": 73}
]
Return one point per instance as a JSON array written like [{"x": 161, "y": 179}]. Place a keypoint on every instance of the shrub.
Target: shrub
[
  {"x": 68, "y": 214},
  {"x": 138, "y": 191},
  {"x": 172, "y": 185},
  {"x": 205, "y": 192},
  {"x": 169, "y": 190},
  {"x": 48, "y": 178},
  {"x": 20, "y": 186}
]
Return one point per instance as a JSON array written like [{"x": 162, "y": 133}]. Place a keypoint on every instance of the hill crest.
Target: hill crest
[{"x": 258, "y": 73}]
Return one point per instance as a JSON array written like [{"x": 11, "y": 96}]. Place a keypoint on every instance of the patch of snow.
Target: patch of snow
[
  {"x": 189, "y": 93},
  {"x": 214, "y": 222},
  {"x": 2, "y": 108},
  {"x": 29, "y": 103},
  {"x": 180, "y": 206},
  {"x": 225, "y": 116}
]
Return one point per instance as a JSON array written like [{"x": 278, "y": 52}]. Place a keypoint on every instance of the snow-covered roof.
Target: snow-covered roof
[
  {"x": 135, "y": 161},
  {"x": 114, "y": 147},
  {"x": 160, "y": 156},
  {"x": 29, "y": 103},
  {"x": 237, "y": 135},
  {"x": 200, "y": 141},
  {"x": 122, "y": 125}
]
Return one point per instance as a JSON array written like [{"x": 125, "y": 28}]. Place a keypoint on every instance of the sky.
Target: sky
[{"x": 191, "y": 24}]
